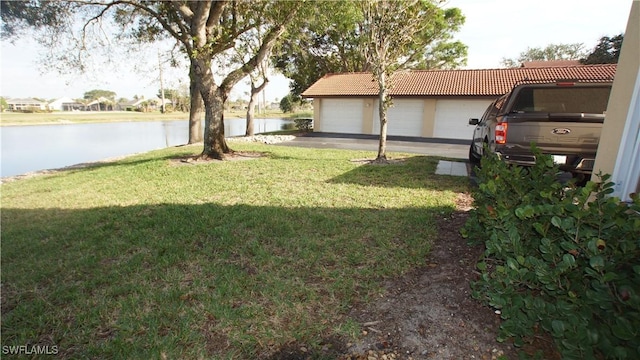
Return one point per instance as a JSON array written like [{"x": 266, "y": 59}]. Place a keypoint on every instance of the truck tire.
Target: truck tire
[{"x": 474, "y": 159}]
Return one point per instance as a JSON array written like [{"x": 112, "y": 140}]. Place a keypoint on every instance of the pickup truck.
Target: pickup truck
[{"x": 562, "y": 118}]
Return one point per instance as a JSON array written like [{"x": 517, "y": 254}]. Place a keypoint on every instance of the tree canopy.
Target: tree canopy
[
  {"x": 20, "y": 16},
  {"x": 328, "y": 42},
  {"x": 573, "y": 51},
  {"x": 288, "y": 103},
  {"x": 3, "y": 104},
  {"x": 332, "y": 41},
  {"x": 607, "y": 51},
  {"x": 97, "y": 94}
]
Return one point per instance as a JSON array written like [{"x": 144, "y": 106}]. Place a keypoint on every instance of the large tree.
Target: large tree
[
  {"x": 402, "y": 35},
  {"x": 333, "y": 41},
  {"x": 97, "y": 94},
  {"x": 102, "y": 99},
  {"x": 207, "y": 29},
  {"x": 550, "y": 52},
  {"x": 202, "y": 29},
  {"x": 607, "y": 51}
]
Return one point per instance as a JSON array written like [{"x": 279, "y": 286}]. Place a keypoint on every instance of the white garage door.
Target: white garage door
[
  {"x": 452, "y": 117},
  {"x": 404, "y": 118},
  {"x": 341, "y": 116}
]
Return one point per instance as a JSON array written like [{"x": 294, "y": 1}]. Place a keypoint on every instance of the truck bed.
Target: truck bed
[{"x": 571, "y": 138}]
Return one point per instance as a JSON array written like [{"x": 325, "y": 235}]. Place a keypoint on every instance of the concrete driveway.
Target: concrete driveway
[{"x": 455, "y": 149}]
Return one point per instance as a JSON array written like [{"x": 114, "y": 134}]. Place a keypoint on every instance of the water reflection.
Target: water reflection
[{"x": 32, "y": 148}]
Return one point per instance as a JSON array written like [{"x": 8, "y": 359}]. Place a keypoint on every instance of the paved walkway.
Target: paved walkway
[
  {"x": 453, "y": 149},
  {"x": 453, "y": 168},
  {"x": 448, "y": 148}
]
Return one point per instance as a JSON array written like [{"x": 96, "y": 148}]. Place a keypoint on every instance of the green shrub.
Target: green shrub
[
  {"x": 559, "y": 258},
  {"x": 304, "y": 124},
  {"x": 289, "y": 126},
  {"x": 289, "y": 103}
]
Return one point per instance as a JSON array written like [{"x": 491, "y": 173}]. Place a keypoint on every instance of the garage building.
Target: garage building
[{"x": 428, "y": 103}]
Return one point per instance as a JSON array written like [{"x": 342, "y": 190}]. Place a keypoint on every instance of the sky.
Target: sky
[{"x": 494, "y": 29}]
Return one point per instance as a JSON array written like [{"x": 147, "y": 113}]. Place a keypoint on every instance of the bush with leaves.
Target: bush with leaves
[
  {"x": 304, "y": 124},
  {"x": 289, "y": 103},
  {"x": 559, "y": 258}
]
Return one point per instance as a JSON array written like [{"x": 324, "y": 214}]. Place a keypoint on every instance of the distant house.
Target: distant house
[
  {"x": 26, "y": 105},
  {"x": 66, "y": 104},
  {"x": 151, "y": 104},
  {"x": 125, "y": 106},
  {"x": 100, "y": 104},
  {"x": 429, "y": 103}
]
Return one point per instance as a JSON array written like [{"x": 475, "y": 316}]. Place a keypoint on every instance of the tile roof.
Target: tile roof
[
  {"x": 484, "y": 82},
  {"x": 29, "y": 101},
  {"x": 550, "y": 63}
]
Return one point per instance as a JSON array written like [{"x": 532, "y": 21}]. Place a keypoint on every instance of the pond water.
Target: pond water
[{"x": 33, "y": 148}]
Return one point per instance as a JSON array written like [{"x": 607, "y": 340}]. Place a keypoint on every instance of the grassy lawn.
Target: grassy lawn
[
  {"x": 11, "y": 118},
  {"x": 146, "y": 258}
]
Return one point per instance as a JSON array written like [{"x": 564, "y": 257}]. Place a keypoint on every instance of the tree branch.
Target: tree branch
[
  {"x": 267, "y": 45},
  {"x": 183, "y": 9},
  {"x": 265, "y": 49},
  {"x": 183, "y": 37},
  {"x": 259, "y": 88},
  {"x": 215, "y": 13},
  {"x": 198, "y": 23}
]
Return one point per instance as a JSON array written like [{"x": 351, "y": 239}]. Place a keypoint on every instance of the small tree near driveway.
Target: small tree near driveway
[{"x": 403, "y": 35}]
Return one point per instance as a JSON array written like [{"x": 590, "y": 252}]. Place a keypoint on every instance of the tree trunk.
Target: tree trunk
[
  {"x": 382, "y": 111},
  {"x": 195, "y": 110},
  {"x": 250, "y": 113},
  {"x": 251, "y": 107},
  {"x": 215, "y": 145},
  {"x": 213, "y": 97}
]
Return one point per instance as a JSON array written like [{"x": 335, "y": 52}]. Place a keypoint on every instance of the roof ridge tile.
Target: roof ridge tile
[{"x": 453, "y": 82}]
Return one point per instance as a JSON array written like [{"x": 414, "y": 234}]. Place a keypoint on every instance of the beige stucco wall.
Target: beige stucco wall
[
  {"x": 620, "y": 100},
  {"x": 367, "y": 115},
  {"x": 428, "y": 117},
  {"x": 317, "y": 102},
  {"x": 370, "y": 114}
]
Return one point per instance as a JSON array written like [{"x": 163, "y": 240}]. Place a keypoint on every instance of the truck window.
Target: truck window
[
  {"x": 591, "y": 100},
  {"x": 496, "y": 107}
]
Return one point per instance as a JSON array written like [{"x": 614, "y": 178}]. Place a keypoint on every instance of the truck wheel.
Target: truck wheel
[{"x": 474, "y": 159}]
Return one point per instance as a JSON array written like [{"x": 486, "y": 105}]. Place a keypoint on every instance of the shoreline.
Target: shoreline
[
  {"x": 92, "y": 117},
  {"x": 69, "y": 122},
  {"x": 32, "y": 174},
  {"x": 266, "y": 139}
]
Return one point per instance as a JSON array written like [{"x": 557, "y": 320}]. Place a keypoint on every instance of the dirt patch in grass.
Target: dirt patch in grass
[
  {"x": 199, "y": 160},
  {"x": 374, "y": 162},
  {"x": 428, "y": 313}
]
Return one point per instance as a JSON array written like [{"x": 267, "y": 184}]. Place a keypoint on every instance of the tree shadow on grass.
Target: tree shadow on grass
[
  {"x": 201, "y": 280},
  {"x": 414, "y": 172}
]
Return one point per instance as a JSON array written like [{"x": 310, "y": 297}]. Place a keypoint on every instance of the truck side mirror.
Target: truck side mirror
[{"x": 474, "y": 121}]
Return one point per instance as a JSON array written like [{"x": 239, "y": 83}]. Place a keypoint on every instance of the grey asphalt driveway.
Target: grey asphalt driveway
[{"x": 455, "y": 149}]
